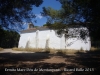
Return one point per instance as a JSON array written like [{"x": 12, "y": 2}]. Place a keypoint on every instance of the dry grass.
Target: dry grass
[
  {"x": 28, "y": 49},
  {"x": 34, "y": 49},
  {"x": 70, "y": 51},
  {"x": 1, "y": 49},
  {"x": 18, "y": 49},
  {"x": 94, "y": 48},
  {"x": 49, "y": 50},
  {"x": 65, "y": 51},
  {"x": 52, "y": 51}
]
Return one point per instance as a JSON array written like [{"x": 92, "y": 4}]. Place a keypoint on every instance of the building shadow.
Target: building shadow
[{"x": 88, "y": 61}]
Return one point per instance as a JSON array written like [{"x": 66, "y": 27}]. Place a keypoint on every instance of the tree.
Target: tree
[
  {"x": 8, "y": 39},
  {"x": 54, "y": 18},
  {"x": 59, "y": 21},
  {"x": 78, "y": 12},
  {"x": 13, "y": 13}
]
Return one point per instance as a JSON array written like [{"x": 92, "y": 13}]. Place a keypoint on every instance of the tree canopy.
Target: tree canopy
[
  {"x": 13, "y": 13},
  {"x": 75, "y": 13},
  {"x": 8, "y": 39}
]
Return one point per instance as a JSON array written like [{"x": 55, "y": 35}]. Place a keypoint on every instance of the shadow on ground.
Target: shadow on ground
[{"x": 88, "y": 62}]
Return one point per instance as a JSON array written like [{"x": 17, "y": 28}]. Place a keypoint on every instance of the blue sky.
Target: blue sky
[{"x": 46, "y": 3}]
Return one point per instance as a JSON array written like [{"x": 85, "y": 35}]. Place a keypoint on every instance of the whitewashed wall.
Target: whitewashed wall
[{"x": 48, "y": 38}]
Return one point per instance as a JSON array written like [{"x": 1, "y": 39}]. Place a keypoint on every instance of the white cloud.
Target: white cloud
[{"x": 39, "y": 16}]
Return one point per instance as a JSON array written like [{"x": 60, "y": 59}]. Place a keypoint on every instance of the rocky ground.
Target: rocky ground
[{"x": 30, "y": 63}]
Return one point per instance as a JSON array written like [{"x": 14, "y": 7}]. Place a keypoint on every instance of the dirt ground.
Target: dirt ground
[{"x": 29, "y": 63}]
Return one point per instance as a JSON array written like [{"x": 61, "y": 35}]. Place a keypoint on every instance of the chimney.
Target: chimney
[{"x": 30, "y": 25}]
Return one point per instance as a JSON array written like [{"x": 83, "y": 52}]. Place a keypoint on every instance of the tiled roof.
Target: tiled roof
[{"x": 35, "y": 29}]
